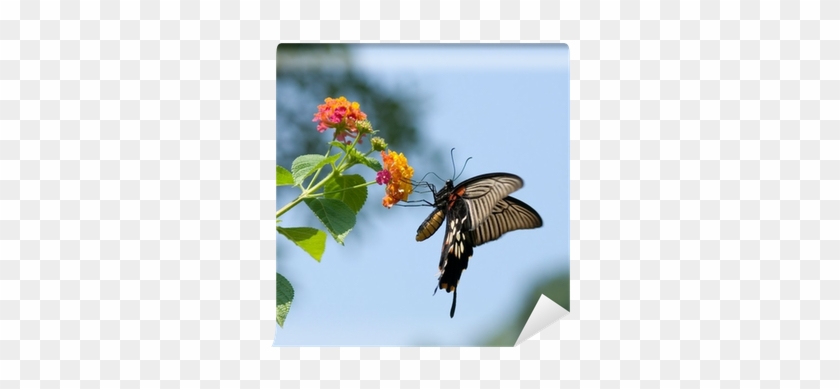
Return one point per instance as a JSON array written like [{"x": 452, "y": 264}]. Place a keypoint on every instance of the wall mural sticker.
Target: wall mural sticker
[{"x": 353, "y": 267}]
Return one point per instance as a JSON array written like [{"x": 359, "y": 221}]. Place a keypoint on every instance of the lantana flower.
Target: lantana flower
[
  {"x": 397, "y": 175},
  {"x": 382, "y": 177},
  {"x": 342, "y": 115},
  {"x": 378, "y": 144}
]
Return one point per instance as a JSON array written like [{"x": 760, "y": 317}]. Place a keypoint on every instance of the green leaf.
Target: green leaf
[
  {"x": 357, "y": 156},
  {"x": 338, "y": 189},
  {"x": 305, "y": 165},
  {"x": 284, "y": 177},
  {"x": 285, "y": 294},
  {"x": 335, "y": 215},
  {"x": 367, "y": 161},
  {"x": 372, "y": 163},
  {"x": 311, "y": 240},
  {"x": 340, "y": 145}
]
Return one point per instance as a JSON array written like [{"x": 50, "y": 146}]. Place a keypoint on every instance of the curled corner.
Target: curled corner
[{"x": 545, "y": 313}]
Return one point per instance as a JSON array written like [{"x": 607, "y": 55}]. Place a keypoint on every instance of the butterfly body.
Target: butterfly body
[{"x": 475, "y": 212}]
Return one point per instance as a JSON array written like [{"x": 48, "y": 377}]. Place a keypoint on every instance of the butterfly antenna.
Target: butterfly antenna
[
  {"x": 452, "y": 157},
  {"x": 462, "y": 168}
]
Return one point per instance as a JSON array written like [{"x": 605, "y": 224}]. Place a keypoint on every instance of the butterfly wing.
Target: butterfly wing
[
  {"x": 476, "y": 211},
  {"x": 457, "y": 249},
  {"x": 509, "y": 214},
  {"x": 481, "y": 193}
]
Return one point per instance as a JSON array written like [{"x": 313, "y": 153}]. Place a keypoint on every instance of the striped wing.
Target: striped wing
[
  {"x": 476, "y": 211},
  {"x": 483, "y": 192},
  {"x": 509, "y": 214},
  {"x": 456, "y": 251}
]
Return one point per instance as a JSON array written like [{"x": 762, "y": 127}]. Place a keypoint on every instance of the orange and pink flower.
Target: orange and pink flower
[
  {"x": 342, "y": 115},
  {"x": 397, "y": 174}
]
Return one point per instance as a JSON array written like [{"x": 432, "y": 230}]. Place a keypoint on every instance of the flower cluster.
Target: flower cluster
[
  {"x": 348, "y": 120},
  {"x": 382, "y": 177},
  {"x": 378, "y": 144},
  {"x": 341, "y": 115},
  {"x": 397, "y": 175}
]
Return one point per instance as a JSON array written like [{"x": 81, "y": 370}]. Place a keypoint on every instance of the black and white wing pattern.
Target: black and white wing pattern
[
  {"x": 510, "y": 214},
  {"x": 475, "y": 211},
  {"x": 480, "y": 194}
]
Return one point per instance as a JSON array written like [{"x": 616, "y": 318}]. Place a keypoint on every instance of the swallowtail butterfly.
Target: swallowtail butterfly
[{"x": 475, "y": 211}]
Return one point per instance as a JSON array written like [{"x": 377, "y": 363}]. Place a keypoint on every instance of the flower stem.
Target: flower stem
[
  {"x": 355, "y": 140},
  {"x": 318, "y": 172},
  {"x": 307, "y": 193},
  {"x": 348, "y": 188}
]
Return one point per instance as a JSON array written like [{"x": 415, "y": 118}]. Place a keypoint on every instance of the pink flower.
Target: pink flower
[
  {"x": 341, "y": 115},
  {"x": 382, "y": 177},
  {"x": 400, "y": 173}
]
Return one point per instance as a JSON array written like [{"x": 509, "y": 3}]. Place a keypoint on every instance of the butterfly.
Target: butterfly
[{"x": 476, "y": 211}]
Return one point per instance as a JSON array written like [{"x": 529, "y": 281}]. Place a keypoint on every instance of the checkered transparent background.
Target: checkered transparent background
[{"x": 136, "y": 156}]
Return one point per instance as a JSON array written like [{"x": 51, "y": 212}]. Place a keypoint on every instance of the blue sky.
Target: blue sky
[{"x": 507, "y": 107}]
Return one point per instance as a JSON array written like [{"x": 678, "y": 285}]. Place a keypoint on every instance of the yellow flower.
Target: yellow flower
[{"x": 399, "y": 186}]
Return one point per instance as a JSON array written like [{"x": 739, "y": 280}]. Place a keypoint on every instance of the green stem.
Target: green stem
[
  {"x": 306, "y": 194},
  {"x": 358, "y": 135},
  {"x": 342, "y": 190},
  {"x": 318, "y": 172}
]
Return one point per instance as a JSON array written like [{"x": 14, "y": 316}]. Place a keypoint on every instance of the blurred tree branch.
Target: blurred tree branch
[{"x": 308, "y": 73}]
